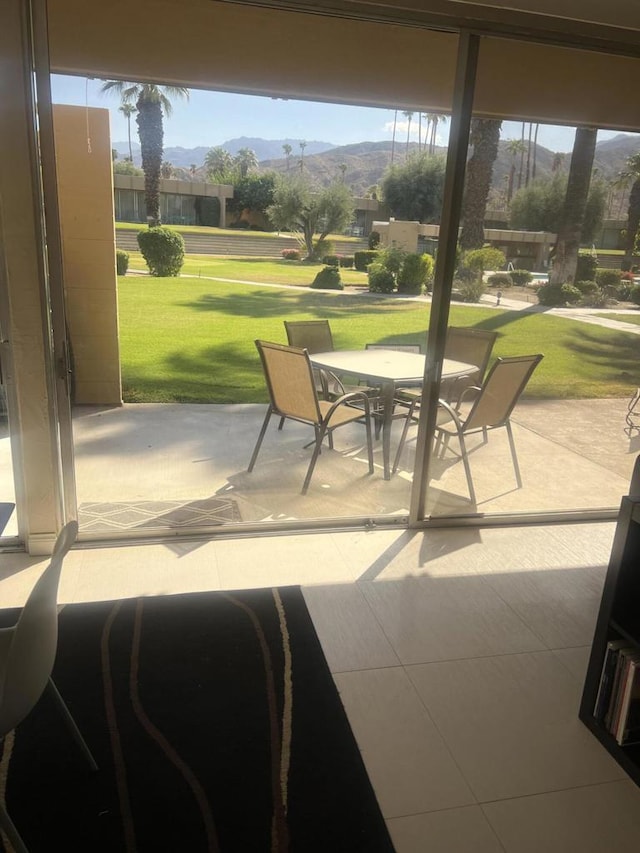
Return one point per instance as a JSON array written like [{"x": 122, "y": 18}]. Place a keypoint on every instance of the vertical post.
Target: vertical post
[{"x": 464, "y": 89}]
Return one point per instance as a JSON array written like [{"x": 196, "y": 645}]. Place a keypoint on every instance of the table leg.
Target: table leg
[{"x": 387, "y": 395}]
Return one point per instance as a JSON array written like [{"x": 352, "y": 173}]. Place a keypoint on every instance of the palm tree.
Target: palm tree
[
  {"x": 166, "y": 169},
  {"x": 535, "y": 151},
  {"x": 485, "y": 135},
  {"x": 575, "y": 201},
  {"x": 127, "y": 111},
  {"x": 302, "y": 145},
  {"x": 558, "y": 160},
  {"x": 522, "y": 150},
  {"x": 343, "y": 169},
  {"x": 151, "y": 102},
  {"x": 287, "y": 153},
  {"x": 245, "y": 160},
  {"x": 393, "y": 138},
  {"x": 408, "y": 115},
  {"x": 218, "y": 163},
  {"x": 419, "y": 132},
  {"x": 528, "y": 174},
  {"x": 427, "y": 119},
  {"x": 632, "y": 173},
  {"x": 514, "y": 147}
]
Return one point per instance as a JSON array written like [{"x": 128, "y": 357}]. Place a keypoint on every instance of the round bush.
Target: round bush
[
  {"x": 414, "y": 273},
  {"x": 162, "y": 249},
  {"x": 608, "y": 278},
  {"x": 381, "y": 280},
  {"x": 374, "y": 239},
  {"x": 291, "y": 254},
  {"x": 553, "y": 295},
  {"x": 328, "y": 279},
  {"x": 485, "y": 259},
  {"x": 471, "y": 290},
  {"x": 521, "y": 277},
  {"x": 586, "y": 287},
  {"x": 122, "y": 261},
  {"x": 502, "y": 280}
]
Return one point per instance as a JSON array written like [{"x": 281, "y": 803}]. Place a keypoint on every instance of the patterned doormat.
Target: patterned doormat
[{"x": 135, "y": 515}]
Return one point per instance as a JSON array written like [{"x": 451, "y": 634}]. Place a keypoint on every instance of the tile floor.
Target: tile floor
[{"x": 459, "y": 656}]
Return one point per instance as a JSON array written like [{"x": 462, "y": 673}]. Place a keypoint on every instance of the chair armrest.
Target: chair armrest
[{"x": 351, "y": 397}]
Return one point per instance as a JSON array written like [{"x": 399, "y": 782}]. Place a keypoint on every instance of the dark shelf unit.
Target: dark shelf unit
[{"x": 618, "y": 619}]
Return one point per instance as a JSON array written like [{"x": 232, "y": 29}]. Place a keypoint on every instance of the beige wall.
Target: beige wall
[
  {"x": 299, "y": 55},
  {"x": 85, "y": 199}
]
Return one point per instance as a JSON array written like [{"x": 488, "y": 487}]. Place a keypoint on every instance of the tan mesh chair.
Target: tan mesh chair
[
  {"x": 315, "y": 336},
  {"x": 491, "y": 409},
  {"x": 293, "y": 394}
]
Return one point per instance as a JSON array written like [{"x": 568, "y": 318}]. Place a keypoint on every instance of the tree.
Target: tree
[
  {"x": 413, "y": 190},
  {"x": 573, "y": 210},
  {"x": 128, "y": 110},
  {"x": 436, "y": 119},
  {"x": 126, "y": 167},
  {"x": 538, "y": 207},
  {"x": 408, "y": 115},
  {"x": 245, "y": 160},
  {"x": 297, "y": 206},
  {"x": 632, "y": 172},
  {"x": 151, "y": 102},
  {"x": 514, "y": 147},
  {"x": 166, "y": 169},
  {"x": 219, "y": 165},
  {"x": 254, "y": 193},
  {"x": 302, "y": 145},
  {"x": 393, "y": 138},
  {"x": 287, "y": 153},
  {"x": 485, "y": 135}
]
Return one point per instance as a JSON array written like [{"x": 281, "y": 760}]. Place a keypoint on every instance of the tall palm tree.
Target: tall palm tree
[
  {"x": 419, "y": 132},
  {"x": 245, "y": 160},
  {"x": 287, "y": 153},
  {"x": 427, "y": 119},
  {"x": 151, "y": 102},
  {"x": 567, "y": 245},
  {"x": 535, "y": 151},
  {"x": 632, "y": 173},
  {"x": 127, "y": 111},
  {"x": 514, "y": 147},
  {"x": 485, "y": 135},
  {"x": 302, "y": 145},
  {"x": 218, "y": 163},
  {"x": 522, "y": 150},
  {"x": 408, "y": 115},
  {"x": 393, "y": 138},
  {"x": 528, "y": 173}
]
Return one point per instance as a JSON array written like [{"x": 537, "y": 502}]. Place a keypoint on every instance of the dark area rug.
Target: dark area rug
[{"x": 216, "y": 725}]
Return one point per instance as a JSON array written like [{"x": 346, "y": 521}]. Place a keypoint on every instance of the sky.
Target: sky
[{"x": 212, "y": 118}]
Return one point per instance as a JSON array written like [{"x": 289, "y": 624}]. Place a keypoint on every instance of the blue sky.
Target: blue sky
[{"x": 211, "y": 118}]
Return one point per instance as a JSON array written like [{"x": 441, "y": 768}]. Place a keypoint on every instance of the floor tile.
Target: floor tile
[
  {"x": 511, "y": 722},
  {"x": 408, "y": 763},
  {"x": 463, "y": 830},
  {"x": 592, "y": 819},
  {"x": 575, "y": 660},
  {"x": 350, "y": 635},
  {"x": 430, "y": 619}
]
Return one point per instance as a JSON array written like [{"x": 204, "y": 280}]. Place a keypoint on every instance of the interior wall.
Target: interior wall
[
  {"x": 288, "y": 54},
  {"x": 85, "y": 199}
]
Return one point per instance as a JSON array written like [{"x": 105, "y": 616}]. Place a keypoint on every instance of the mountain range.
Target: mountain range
[{"x": 364, "y": 163}]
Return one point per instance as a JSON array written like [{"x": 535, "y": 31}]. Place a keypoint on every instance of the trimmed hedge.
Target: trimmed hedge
[
  {"x": 363, "y": 258},
  {"x": 162, "y": 249},
  {"x": 122, "y": 261},
  {"x": 328, "y": 279}
]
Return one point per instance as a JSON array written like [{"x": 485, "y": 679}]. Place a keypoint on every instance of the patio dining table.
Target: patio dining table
[{"x": 389, "y": 369}]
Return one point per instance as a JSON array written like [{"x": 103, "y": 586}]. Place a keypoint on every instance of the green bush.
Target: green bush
[
  {"x": 521, "y": 277},
  {"x": 392, "y": 259},
  {"x": 470, "y": 290},
  {"x": 162, "y": 249},
  {"x": 374, "y": 239},
  {"x": 467, "y": 274},
  {"x": 346, "y": 261},
  {"x": 363, "y": 258},
  {"x": 597, "y": 298},
  {"x": 558, "y": 294},
  {"x": 381, "y": 280},
  {"x": 331, "y": 260},
  {"x": 484, "y": 259},
  {"x": 291, "y": 254},
  {"x": 122, "y": 262},
  {"x": 608, "y": 278},
  {"x": 414, "y": 273},
  {"x": 634, "y": 294},
  {"x": 501, "y": 280},
  {"x": 321, "y": 248},
  {"x": 586, "y": 287},
  {"x": 586, "y": 269},
  {"x": 328, "y": 279},
  {"x": 623, "y": 291}
]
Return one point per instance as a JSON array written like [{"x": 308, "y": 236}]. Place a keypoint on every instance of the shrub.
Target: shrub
[
  {"x": 381, "y": 280},
  {"x": 331, "y": 260},
  {"x": 414, "y": 273},
  {"x": 521, "y": 277},
  {"x": 363, "y": 258},
  {"x": 162, "y": 249},
  {"x": 484, "y": 259},
  {"x": 321, "y": 248},
  {"x": 328, "y": 279},
  {"x": 608, "y": 278},
  {"x": 597, "y": 298},
  {"x": 392, "y": 259},
  {"x": 586, "y": 287},
  {"x": 471, "y": 290},
  {"x": 122, "y": 262},
  {"x": 558, "y": 294},
  {"x": 634, "y": 294},
  {"x": 346, "y": 261},
  {"x": 291, "y": 254},
  {"x": 623, "y": 291},
  {"x": 467, "y": 274},
  {"x": 500, "y": 279},
  {"x": 586, "y": 269},
  {"x": 374, "y": 239}
]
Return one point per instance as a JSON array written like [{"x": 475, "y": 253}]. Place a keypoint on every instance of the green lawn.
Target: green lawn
[
  {"x": 623, "y": 318},
  {"x": 207, "y": 229},
  {"x": 190, "y": 340}
]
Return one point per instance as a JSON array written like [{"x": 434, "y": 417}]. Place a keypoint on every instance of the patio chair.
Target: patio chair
[
  {"x": 470, "y": 346},
  {"x": 315, "y": 336},
  {"x": 293, "y": 394},
  {"x": 375, "y": 408},
  {"x": 27, "y": 654},
  {"x": 490, "y": 409}
]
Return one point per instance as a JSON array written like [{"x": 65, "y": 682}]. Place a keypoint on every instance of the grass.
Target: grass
[
  {"x": 233, "y": 232},
  {"x": 192, "y": 340},
  {"x": 623, "y": 318}
]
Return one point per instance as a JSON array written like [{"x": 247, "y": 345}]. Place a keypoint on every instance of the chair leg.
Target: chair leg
[
  {"x": 467, "y": 467},
  {"x": 281, "y": 424},
  {"x": 256, "y": 449},
  {"x": 403, "y": 437},
  {"x": 367, "y": 427},
  {"x": 514, "y": 457},
  {"x": 314, "y": 458},
  {"x": 9, "y": 829},
  {"x": 71, "y": 723}
]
